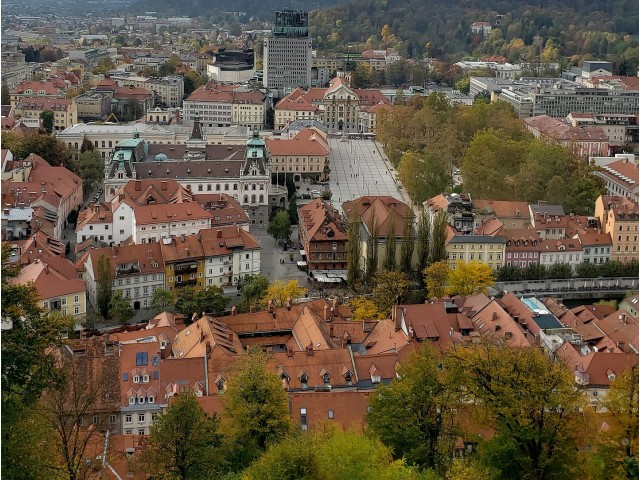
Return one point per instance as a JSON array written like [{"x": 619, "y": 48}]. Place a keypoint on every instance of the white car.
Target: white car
[{"x": 315, "y": 192}]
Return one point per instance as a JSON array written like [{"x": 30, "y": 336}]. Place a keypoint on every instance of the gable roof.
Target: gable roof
[{"x": 383, "y": 208}]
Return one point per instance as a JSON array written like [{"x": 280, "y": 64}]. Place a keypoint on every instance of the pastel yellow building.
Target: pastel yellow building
[
  {"x": 619, "y": 218},
  {"x": 479, "y": 248},
  {"x": 56, "y": 292},
  {"x": 184, "y": 262}
]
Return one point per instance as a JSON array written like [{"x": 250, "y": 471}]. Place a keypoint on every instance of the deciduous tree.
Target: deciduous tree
[
  {"x": 388, "y": 289},
  {"x": 283, "y": 291},
  {"x": 184, "y": 443},
  {"x": 161, "y": 299},
  {"x": 390, "y": 246},
  {"x": 120, "y": 309},
  {"x": 48, "y": 120},
  {"x": 280, "y": 226},
  {"x": 438, "y": 237},
  {"x": 365, "y": 309},
  {"x": 436, "y": 278},
  {"x": 530, "y": 401},
  {"x": 252, "y": 289},
  {"x": 256, "y": 410},
  {"x": 414, "y": 414},
  {"x": 470, "y": 278}
]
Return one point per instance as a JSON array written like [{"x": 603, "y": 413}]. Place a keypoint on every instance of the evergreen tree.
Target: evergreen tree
[
  {"x": 407, "y": 248},
  {"x": 354, "y": 251},
  {"x": 372, "y": 246},
  {"x": 104, "y": 284},
  {"x": 390, "y": 246},
  {"x": 423, "y": 241},
  {"x": 439, "y": 238}
]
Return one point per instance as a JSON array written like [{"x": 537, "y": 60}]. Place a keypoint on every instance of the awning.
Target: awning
[
  {"x": 303, "y": 253},
  {"x": 302, "y": 263},
  {"x": 330, "y": 276}
]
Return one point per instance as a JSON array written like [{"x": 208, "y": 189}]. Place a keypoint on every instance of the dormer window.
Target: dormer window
[
  {"x": 221, "y": 386},
  {"x": 141, "y": 400},
  {"x": 132, "y": 400},
  {"x": 145, "y": 378},
  {"x": 304, "y": 381},
  {"x": 136, "y": 379},
  {"x": 347, "y": 377},
  {"x": 151, "y": 399},
  {"x": 326, "y": 378}
]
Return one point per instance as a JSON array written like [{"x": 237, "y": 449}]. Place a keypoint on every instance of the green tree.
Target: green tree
[
  {"x": 5, "y": 99},
  {"x": 439, "y": 237},
  {"x": 413, "y": 415},
  {"x": 87, "y": 145},
  {"x": 212, "y": 299},
  {"x": 616, "y": 454},
  {"x": 187, "y": 303},
  {"x": 27, "y": 364},
  {"x": 120, "y": 309},
  {"x": 184, "y": 443},
  {"x": 48, "y": 120},
  {"x": 104, "y": 284},
  {"x": 44, "y": 145},
  {"x": 293, "y": 211},
  {"x": 270, "y": 118},
  {"x": 436, "y": 278},
  {"x": 192, "y": 81},
  {"x": 280, "y": 226},
  {"x": 372, "y": 246},
  {"x": 90, "y": 167},
  {"x": 72, "y": 218},
  {"x": 389, "y": 288},
  {"x": 390, "y": 246},
  {"x": 354, "y": 251},
  {"x": 161, "y": 299},
  {"x": 470, "y": 278},
  {"x": 407, "y": 247},
  {"x": 424, "y": 176},
  {"x": 423, "y": 240},
  {"x": 530, "y": 401},
  {"x": 252, "y": 289},
  {"x": 103, "y": 66},
  {"x": 255, "y": 408}
]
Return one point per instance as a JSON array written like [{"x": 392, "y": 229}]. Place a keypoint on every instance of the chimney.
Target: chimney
[
  {"x": 394, "y": 316},
  {"x": 163, "y": 186},
  {"x": 234, "y": 311},
  {"x": 138, "y": 186},
  {"x": 289, "y": 303},
  {"x": 310, "y": 350},
  {"x": 230, "y": 336},
  {"x": 289, "y": 353},
  {"x": 219, "y": 234},
  {"x": 325, "y": 313},
  {"x": 494, "y": 316}
]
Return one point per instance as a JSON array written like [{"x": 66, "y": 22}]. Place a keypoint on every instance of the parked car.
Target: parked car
[{"x": 315, "y": 192}]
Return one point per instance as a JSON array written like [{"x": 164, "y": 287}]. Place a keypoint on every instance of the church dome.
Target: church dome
[{"x": 161, "y": 157}]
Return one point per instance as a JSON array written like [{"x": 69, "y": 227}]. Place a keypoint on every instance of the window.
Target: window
[
  {"x": 132, "y": 400},
  {"x": 76, "y": 310},
  {"x": 112, "y": 418},
  {"x": 136, "y": 379},
  {"x": 303, "y": 418},
  {"x": 141, "y": 431},
  {"x": 127, "y": 419},
  {"x": 330, "y": 415},
  {"x": 64, "y": 301},
  {"x": 150, "y": 399},
  {"x": 128, "y": 432},
  {"x": 145, "y": 378}
]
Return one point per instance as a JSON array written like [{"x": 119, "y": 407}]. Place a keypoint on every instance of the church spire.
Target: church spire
[{"x": 196, "y": 133}]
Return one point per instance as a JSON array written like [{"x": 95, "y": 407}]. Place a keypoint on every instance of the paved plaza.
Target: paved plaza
[{"x": 358, "y": 167}]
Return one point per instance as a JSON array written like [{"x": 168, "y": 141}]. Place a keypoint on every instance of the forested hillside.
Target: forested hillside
[{"x": 523, "y": 29}]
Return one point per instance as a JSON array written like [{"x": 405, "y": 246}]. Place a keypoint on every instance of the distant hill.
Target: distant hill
[
  {"x": 575, "y": 28},
  {"x": 264, "y": 9}
]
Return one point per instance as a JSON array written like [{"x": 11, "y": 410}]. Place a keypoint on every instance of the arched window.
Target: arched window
[
  {"x": 253, "y": 199},
  {"x": 261, "y": 198},
  {"x": 246, "y": 199}
]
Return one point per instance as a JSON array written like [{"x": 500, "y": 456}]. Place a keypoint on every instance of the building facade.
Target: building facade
[{"x": 287, "y": 52}]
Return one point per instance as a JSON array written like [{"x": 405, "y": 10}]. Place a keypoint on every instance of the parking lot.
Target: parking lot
[{"x": 359, "y": 168}]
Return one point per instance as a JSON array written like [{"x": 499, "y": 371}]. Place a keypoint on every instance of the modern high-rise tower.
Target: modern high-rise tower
[{"x": 287, "y": 52}]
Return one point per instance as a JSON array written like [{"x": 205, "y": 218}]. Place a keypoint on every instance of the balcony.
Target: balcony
[
  {"x": 186, "y": 269},
  {"x": 123, "y": 272}
]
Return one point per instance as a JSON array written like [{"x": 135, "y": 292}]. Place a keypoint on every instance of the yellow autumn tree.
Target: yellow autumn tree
[
  {"x": 279, "y": 292},
  {"x": 469, "y": 278},
  {"x": 365, "y": 309},
  {"x": 436, "y": 277}
]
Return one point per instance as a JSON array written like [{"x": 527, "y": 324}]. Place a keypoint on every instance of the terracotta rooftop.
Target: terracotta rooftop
[
  {"x": 562, "y": 131},
  {"x": 503, "y": 208},
  {"x": 49, "y": 282},
  {"x": 383, "y": 208},
  {"x": 173, "y": 212},
  {"x": 145, "y": 254},
  {"x": 307, "y": 142},
  {"x": 322, "y": 222}
]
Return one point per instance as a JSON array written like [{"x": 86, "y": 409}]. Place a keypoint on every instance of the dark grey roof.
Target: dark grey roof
[
  {"x": 547, "y": 321},
  {"x": 212, "y": 152},
  {"x": 549, "y": 209},
  {"x": 189, "y": 169},
  {"x": 477, "y": 239}
]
